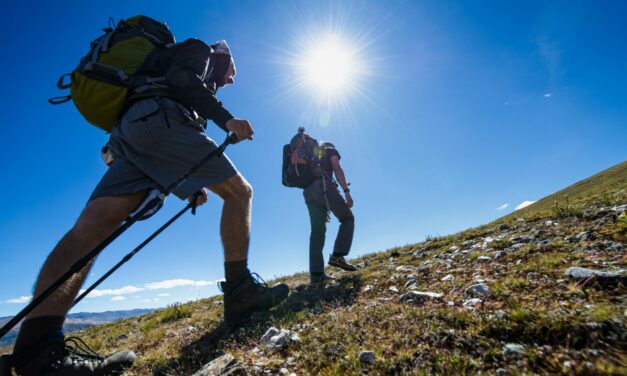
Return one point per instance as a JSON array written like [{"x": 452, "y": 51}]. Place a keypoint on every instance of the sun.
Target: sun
[{"x": 329, "y": 66}]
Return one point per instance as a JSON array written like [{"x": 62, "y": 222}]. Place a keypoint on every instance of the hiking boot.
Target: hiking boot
[
  {"x": 69, "y": 357},
  {"x": 250, "y": 294},
  {"x": 340, "y": 262},
  {"x": 320, "y": 279}
]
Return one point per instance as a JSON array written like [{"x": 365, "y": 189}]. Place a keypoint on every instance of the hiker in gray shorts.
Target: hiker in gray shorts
[
  {"x": 322, "y": 197},
  {"x": 159, "y": 138}
]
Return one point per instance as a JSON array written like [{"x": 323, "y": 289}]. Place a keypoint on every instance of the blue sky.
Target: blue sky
[{"x": 458, "y": 109}]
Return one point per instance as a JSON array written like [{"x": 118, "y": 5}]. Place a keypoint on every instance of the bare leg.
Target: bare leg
[
  {"x": 235, "y": 222},
  {"x": 97, "y": 221}
]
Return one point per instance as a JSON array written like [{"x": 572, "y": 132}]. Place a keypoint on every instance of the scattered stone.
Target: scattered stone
[
  {"x": 584, "y": 235},
  {"x": 417, "y": 297},
  {"x": 515, "y": 247},
  {"x": 502, "y": 227},
  {"x": 393, "y": 289},
  {"x": 480, "y": 289},
  {"x": 533, "y": 276},
  {"x": 367, "y": 288},
  {"x": 500, "y": 314},
  {"x": 419, "y": 254},
  {"x": 226, "y": 365},
  {"x": 620, "y": 208},
  {"x": 498, "y": 254},
  {"x": 520, "y": 219},
  {"x": 591, "y": 275},
  {"x": 472, "y": 303},
  {"x": 612, "y": 246},
  {"x": 411, "y": 283},
  {"x": 521, "y": 239},
  {"x": 454, "y": 248},
  {"x": 404, "y": 269},
  {"x": 484, "y": 259},
  {"x": 367, "y": 357},
  {"x": 513, "y": 348},
  {"x": 447, "y": 278},
  {"x": 278, "y": 339}
]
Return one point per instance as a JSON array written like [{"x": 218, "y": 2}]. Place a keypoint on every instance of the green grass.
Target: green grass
[{"x": 557, "y": 321}]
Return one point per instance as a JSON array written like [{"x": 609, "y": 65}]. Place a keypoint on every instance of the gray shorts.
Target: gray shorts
[{"x": 156, "y": 141}]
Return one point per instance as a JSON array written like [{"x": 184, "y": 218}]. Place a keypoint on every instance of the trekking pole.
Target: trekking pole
[
  {"x": 80, "y": 264},
  {"x": 192, "y": 205}
]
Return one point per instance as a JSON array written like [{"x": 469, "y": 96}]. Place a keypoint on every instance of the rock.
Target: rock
[
  {"x": 472, "y": 303},
  {"x": 520, "y": 219},
  {"x": 404, "y": 269},
  {"x": 479, "y": 289},
  {"x": 513, "y": 348},
  {"x": 411, "y": 283},
  {"x": 591, "y": 275},
  {"x": 278, "y": 339},
  {"x": 502, "y": 227},
  {"x": 419, "y": 254},
  {"x": 584, "y": 235},
  {"x": 424, "y": 269},
  {"x": 447, "y": 278},
  {"x": 454, "y": 248},
  {"x": 367, "y": 357},
  {"x": 620, "y": 208},
  {"x": 612, "y": 246},
  {"x": 521, "y": 239},
  {"x": 226, "y": 365},
  {"x": 499, "y": 254},
  {"x": 515, "y": 247},
  {"x": 500, "y": 314},
  {"x": 484, "y": 259},
  {"x": 533, "y": 276},
  {"x": 271, "y": 332},
  {"x": 367, "y": 288},
  {"x": 417, "y": 297},
  {"x": 393, "y": 289}
]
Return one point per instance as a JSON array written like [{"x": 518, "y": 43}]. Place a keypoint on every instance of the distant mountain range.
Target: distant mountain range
[{"x": 79, "y": 321}]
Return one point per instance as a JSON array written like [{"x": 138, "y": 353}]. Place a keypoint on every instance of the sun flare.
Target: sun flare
[{"x": 328, "y": 66}]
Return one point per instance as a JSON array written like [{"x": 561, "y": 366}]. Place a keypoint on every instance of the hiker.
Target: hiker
[
  {"x": 312, "y": 167},
  {"x": 159, "y": 136}
]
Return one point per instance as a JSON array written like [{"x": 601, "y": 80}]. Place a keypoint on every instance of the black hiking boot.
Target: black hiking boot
[
  {"x": 69, "y": 357},
  {"x": 320, "y": 279},
  {"x": 340, "y": 262},
  {"x": 250, "y": 294}
]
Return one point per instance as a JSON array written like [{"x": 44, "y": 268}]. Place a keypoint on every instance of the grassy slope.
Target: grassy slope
[
  {"x": 608, "y": 186},
  {"x": 565, "y": 327}
]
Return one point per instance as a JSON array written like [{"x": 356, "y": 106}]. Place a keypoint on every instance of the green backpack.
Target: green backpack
[{"x": 111, "y": 71}]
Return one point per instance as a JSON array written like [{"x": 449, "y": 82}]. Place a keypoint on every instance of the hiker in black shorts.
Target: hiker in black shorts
[
  {"x": 322, "y": 197},
  {"x": 158, "y": 138}
]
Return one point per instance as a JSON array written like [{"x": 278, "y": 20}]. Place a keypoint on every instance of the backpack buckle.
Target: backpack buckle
[{"x": 61, "y": 83}]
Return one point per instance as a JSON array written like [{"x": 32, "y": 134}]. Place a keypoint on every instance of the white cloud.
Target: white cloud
[
  {"x": 118, "y": 298},
  {"x": 548, "y": 95},
  {"x": 524, "y": 204},
  {"x": 171, "y": 283},
  {"x": 20, "y": 300},
  {"x": 163, "y": 295},
  {"x": 502, "y": 207},
  {"x": 122, "y": 291}
]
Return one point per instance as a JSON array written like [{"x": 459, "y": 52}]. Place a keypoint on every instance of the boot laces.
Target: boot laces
[
  {"x": 257, "y": 280},
  {"x": 78, "y": 350}
]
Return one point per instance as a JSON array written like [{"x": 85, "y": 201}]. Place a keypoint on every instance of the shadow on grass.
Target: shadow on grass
[{"x": 342, "y": 292}]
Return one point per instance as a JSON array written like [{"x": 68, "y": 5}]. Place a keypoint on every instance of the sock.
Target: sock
[
  {"x": 33, "y": 330},
  {"x": 235, "y": 270}
]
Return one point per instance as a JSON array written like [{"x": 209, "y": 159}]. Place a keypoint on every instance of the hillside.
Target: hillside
[{"x": 491, "y": 300}]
